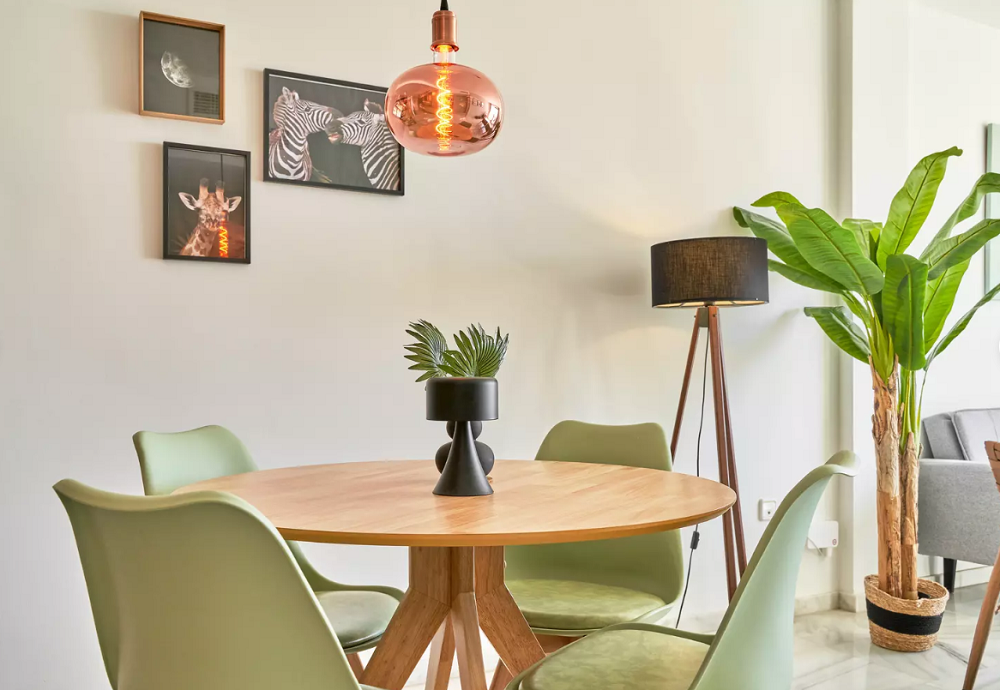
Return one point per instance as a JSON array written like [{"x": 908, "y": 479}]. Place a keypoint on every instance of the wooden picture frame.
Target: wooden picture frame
[
  {"x": 184, "y": 213},
  {"x": 198, "y": 100},
  {"x": 340, "y": 164}
]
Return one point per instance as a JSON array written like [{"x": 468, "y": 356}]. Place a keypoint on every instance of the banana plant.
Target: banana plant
[
  {"x": 895, "y": 309},
  {"x": 477, "y": 353}
]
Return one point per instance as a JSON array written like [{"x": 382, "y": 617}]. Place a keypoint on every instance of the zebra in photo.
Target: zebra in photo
[
  {"x": 288, "y": 149},
  {"x": 379, "y": 151}
]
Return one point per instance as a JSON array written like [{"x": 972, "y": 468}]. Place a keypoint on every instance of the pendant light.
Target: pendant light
[{"x": 444, "y": 108}]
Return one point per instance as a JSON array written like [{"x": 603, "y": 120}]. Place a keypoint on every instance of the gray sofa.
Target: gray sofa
[{"x": 959, "y": 507}]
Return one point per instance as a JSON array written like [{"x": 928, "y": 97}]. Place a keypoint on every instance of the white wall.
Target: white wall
[
  {"x": 608, "y": 147},
  {"x": 953, "y": 96}
]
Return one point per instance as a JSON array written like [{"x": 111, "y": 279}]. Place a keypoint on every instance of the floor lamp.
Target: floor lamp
[{"x": 708, "y": 273}]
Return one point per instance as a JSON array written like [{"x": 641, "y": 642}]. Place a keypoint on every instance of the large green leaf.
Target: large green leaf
[
  {"x": 828, "y": 247},
  {"x": 912, "y": 203},
  {"x": 866, "y": 232},
  {"x": 810, "y": 279},
  {"x": 960, "y": 325},
  {"x": 987, "y": 184},
  {"x": 428, "y": 353},
  {"x": 837, "y": 323},
  {"x": 779, "y": 241},
  {"x": 903, "y": 308},
  {"x": 959, "y": 249},
  {"x": 940, "y": 299},
  {"x": 775, "y": 198},
  {"x": 478, "y": 353}
]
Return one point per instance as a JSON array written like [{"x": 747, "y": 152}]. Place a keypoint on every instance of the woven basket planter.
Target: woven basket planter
[{"x": 905, "y": 625}]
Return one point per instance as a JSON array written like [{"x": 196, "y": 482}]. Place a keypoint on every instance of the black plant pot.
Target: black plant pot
[{"x": 463, "y": 401}]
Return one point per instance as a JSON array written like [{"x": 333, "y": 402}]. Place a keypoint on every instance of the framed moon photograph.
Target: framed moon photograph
[
  {"x": 182, "y": 68},
  {"x": 206, "y": 204},
  {"x": 329, "y": 133}
]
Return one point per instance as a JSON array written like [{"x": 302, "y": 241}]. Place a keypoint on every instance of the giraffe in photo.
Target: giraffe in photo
[{"x": 213, "y": 210}]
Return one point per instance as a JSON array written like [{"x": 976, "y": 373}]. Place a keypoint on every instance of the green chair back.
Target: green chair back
[
  {"x": 652, "y": 563},
  {"x": 170, "y": 461},
  {"x": 752, "y": 649},
  {"x": 199, "y": 592}
]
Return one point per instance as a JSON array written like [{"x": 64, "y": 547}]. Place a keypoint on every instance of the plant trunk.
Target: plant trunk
[
  {"x": 885, "y": 431},
  {"x": 908, "y": 473}
]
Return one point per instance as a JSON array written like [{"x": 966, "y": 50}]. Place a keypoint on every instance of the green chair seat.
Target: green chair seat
[
  {"x": 358, "y": 614},
  {"x": 584, "y": 606},
  {"x": 752, "y": 649},
  {"x": 620, "y": 660},
  {"x": 358, "y": 617},
  {"x": 629, "y": 577}
]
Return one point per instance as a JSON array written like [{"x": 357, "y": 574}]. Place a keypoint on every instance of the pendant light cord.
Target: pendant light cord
[
  {"x": 697, "y": 465},
  {"x": 444, "y": 5}
]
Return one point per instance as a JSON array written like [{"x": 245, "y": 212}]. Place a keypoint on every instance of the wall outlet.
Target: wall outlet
[{"x": 765, "y": 509}]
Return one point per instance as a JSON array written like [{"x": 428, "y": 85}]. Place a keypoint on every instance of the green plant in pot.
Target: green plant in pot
[
  {"x": 896, "y": 307},
  {"x": 461, "y": 390}
]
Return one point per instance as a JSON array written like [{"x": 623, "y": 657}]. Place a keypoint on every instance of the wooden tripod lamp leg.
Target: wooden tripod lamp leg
[
  {"x": 734, "y": 482},
  {"x": 722, "y": 443}
]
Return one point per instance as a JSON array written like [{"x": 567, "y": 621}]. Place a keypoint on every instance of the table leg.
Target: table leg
[
  {"x": 464, "y": 585},
  {"x": 424, "y": 608},
  {"x": 499, "y": 616},
  {"x": 442, "y": 653}
]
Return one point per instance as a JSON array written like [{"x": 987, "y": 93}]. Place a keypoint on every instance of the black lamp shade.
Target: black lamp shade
[{"x": 709, "y": 271}]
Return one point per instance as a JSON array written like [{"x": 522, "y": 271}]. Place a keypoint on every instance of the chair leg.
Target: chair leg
[
  {"x": 986, "y": 613},
  {"x": 950, "y": 569},
  {"x": 501, "y": 677},
  {"x": 355, "y": 662}
]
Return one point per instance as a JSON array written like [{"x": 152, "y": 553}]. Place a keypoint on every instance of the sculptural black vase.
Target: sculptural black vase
[
  {"x": 484, "y": 452},
  {"x": 462, "y": 401}
]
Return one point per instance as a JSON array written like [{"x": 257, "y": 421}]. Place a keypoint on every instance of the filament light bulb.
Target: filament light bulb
[{"x": 444, "y": 108}]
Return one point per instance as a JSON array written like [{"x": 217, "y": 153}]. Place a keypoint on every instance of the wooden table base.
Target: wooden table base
[{"x": 464, "y": 585}]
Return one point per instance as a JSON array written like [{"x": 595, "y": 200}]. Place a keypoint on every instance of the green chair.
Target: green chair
[
  {"x": 359, "y": 614},
  {"x": 199, "y": 592},
  {"x": 566, "y": 591},
  {"x": 752, "y": 649}
]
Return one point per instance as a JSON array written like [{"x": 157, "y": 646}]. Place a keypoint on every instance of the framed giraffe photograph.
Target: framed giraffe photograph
[
  {"x": 328, "y": 133},
  {"x": 206, "y": 204}
]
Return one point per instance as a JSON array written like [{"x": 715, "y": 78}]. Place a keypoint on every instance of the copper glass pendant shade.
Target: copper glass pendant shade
[{"x": 444, "y": 108}]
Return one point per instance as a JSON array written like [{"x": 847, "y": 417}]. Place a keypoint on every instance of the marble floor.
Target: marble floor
[{"x": 833, "y": 652}]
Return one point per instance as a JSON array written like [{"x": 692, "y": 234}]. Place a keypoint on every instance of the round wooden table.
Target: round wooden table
[{"x": 456, "y": 543}]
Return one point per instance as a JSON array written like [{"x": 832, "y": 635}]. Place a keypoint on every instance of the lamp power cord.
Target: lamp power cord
[{"x": 696, "y": 535}]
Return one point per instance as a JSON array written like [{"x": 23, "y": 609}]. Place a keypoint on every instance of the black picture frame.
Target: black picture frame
[
  {"x": 173, "y": 181},
  {"x": 351, "y": 162}
]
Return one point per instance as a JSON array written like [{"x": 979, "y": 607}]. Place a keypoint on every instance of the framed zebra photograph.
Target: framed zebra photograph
[
  {"x": 328, "y": 133},
  {"x": 206, "y": 204}
]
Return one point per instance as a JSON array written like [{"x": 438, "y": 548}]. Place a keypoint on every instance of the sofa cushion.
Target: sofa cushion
[
  {"x": 941, "y": 438},
  {"x": 975, "y": 428}
]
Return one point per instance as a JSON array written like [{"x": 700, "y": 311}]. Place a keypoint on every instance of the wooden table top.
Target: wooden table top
[{"x": 390, "y": 503}]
